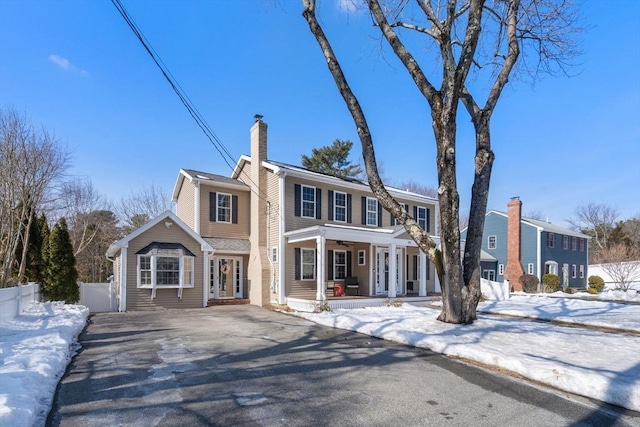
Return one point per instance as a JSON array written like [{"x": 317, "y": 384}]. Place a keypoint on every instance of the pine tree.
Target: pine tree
[
  {"x": 37, "y": 236},
  {"x": 332, "y": 159},
  {"x": 60, "y": 275}
]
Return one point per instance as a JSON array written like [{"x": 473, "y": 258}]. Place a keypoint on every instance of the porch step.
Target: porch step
[{"x": 227, "y": 301}]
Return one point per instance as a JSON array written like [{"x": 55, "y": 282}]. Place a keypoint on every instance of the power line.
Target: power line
[{"x": 193, "y": 111}]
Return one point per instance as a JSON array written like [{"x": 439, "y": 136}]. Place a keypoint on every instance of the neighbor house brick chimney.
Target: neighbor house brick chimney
[
  {"x": 513, "y": 269},
  {"x": 258, "y": 269}
]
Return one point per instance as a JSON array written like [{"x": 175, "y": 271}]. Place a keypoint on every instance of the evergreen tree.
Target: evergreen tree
[
  {"x": 37, "y": 236},
  {"x": 332, "y": 159},
  {"x": 60, "y": 275}
]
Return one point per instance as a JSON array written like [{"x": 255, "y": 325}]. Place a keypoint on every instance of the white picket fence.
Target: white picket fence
[{"x": 14, "y": 300}]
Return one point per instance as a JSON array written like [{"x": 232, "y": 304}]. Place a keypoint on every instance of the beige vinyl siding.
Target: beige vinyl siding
[
  {"x": 140, "y": 299},
  {"x": 223, "y": 229},
  {"x": 273, "y": 238},
  {"x": 185, "y": 205},
  {"x": 294, "y": 222}
]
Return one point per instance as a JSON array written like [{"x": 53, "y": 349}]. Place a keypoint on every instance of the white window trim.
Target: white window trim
[
  {"x": 565, "y": 243},
  {"x": 495, "y": 242},
  {"x": 335, "y": 206},
  {"x": 335, "y": 264},
  {"x": 551, "y": 238},
  {"x": 574, "y": 243},
  {"x": 574, "y": 271},
  {"x": 368, "y": 211},
  {"x": 581, "y": 271},
  {"x": 302, "y": 263},
  {"x": 424, "y": 220},
  {"x": 491, "y": 273},
  {"x": 218, "y": 207},
  {"x": 181, "y": 282},
  {"x": 582, "y": 245},
  {"x": 501, "y": 269},
  {"x": 362, "y": 256},
  {"x": 302, "y": 201}
]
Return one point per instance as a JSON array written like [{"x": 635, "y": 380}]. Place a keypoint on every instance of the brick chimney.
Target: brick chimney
[
  {"x": 513, "y": 269},
  {"x": 258, "y": 270}
]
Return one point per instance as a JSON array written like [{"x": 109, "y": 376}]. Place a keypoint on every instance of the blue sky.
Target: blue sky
[{"x": 76, "y": 68}]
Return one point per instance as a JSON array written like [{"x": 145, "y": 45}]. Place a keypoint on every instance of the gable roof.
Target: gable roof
[
  {"x": 349, "y": 182},
  {"x": 543, "y": 225},
  {"x": 207, "y": 179},
  {"x": 114, "y": 248}
]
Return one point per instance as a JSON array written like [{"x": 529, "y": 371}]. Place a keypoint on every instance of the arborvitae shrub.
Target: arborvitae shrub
[
  {"x": 551, "y": 282},
  {"x": 529, "y": 283},
  {"x": 596, "y": 283}
]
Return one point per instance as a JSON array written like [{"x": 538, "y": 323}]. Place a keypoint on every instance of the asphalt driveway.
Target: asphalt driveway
[{"x": 246, "y": 366}]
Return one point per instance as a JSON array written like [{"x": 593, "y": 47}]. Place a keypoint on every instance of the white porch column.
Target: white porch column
[
  {"x": 437, "y": 279},
  {"x": 393, "y": 267},
  {"x": 321, "y": 293},
  {"x": 422, "y": 290}
]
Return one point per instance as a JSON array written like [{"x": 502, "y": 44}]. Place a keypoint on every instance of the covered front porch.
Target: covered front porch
[{"x": 352, "y": 267}]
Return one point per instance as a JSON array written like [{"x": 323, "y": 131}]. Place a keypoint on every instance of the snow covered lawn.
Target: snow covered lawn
[
  {"x": 601, "y": 365},
  {"x": 35, "y": 350}
]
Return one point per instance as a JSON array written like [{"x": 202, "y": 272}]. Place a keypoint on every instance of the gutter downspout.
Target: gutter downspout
[{"x": 281, "y": 244}]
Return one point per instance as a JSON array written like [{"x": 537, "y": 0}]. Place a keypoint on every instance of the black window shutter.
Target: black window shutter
[
  {"x": 330, "y": 196},
  {"x": 391, "y": 218},
  {"x": 428, "y": 217},
  {"x": 428, "y": 269},
  {"x": 415, "y": 267},
  {"x": 379, "y": 215},
  {"x": 296, "y": 199},
  {"x": 364, "y": 210},
  {"x": 297, "y": 257},
  {"x": 318, "y": 203},
  {"x": 212, "y": 207},
  {"x": 330, "y": 265},
  {"x": 349, "y": 264},
  {"x": 349, "y": 208},
  {"x": 415, "y": 213},
  {"x": 234, "y": 209}
]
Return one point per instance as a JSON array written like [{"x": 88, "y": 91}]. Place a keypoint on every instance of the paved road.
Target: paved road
[{"x": 245, "y": 366}]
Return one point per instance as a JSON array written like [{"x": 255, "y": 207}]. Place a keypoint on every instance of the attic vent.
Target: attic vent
[{"x": 202, "y": 177}]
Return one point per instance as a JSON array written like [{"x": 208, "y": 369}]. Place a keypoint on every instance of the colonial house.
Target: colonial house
[
  {"x": 514, "y": 245},
  {"x": 274, "y": 233}
]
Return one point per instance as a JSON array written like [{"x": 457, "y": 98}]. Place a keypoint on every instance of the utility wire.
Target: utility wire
[{"x": 193, "y": 111}]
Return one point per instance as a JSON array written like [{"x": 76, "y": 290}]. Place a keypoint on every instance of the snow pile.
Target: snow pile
[
  {"x": 569, "y": 310},
  {"x": 579, "y": 361},
  {"x": 35, "y": 349}
]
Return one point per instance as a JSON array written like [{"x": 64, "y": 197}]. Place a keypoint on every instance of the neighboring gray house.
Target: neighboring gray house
[{"x": 524, "y": 245}]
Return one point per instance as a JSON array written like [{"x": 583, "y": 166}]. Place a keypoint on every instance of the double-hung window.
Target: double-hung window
[
  {"x": 372, "y": 211},
  {"x": 574, "y": 243},
  {"x": 565, "y": 242},
  {"x": 551, "y": 240},
  {"x": 223, "y": 207},
  {"x": 573, "y": 271},
  {"x": 582, "y": 271},
  {"x": 308, "y": 263},
  {"x": 308, "y": 201},
  {"x": 339, "y": 264},
  {"x": 581, "y": 245},
  {"x": 339, "y": 206},
  {"x": 422, "y": 217},
  {"x": 492, "y": 242},
  {"x": 362, "y": 257}
]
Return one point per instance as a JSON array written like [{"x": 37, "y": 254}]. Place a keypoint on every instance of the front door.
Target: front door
[
  {"x": 382, "y": 271},
  {"x": 226, "y": 277}
]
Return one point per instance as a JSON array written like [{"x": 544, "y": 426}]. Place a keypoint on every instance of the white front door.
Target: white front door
[
  {"x": 226, "y": 277},
  {"x": 382, "y": 271}
]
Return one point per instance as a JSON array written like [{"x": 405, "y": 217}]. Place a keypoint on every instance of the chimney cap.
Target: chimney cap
[
  {"x": 515, "y": 198},
  {"x": 258, "y": 117}
]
